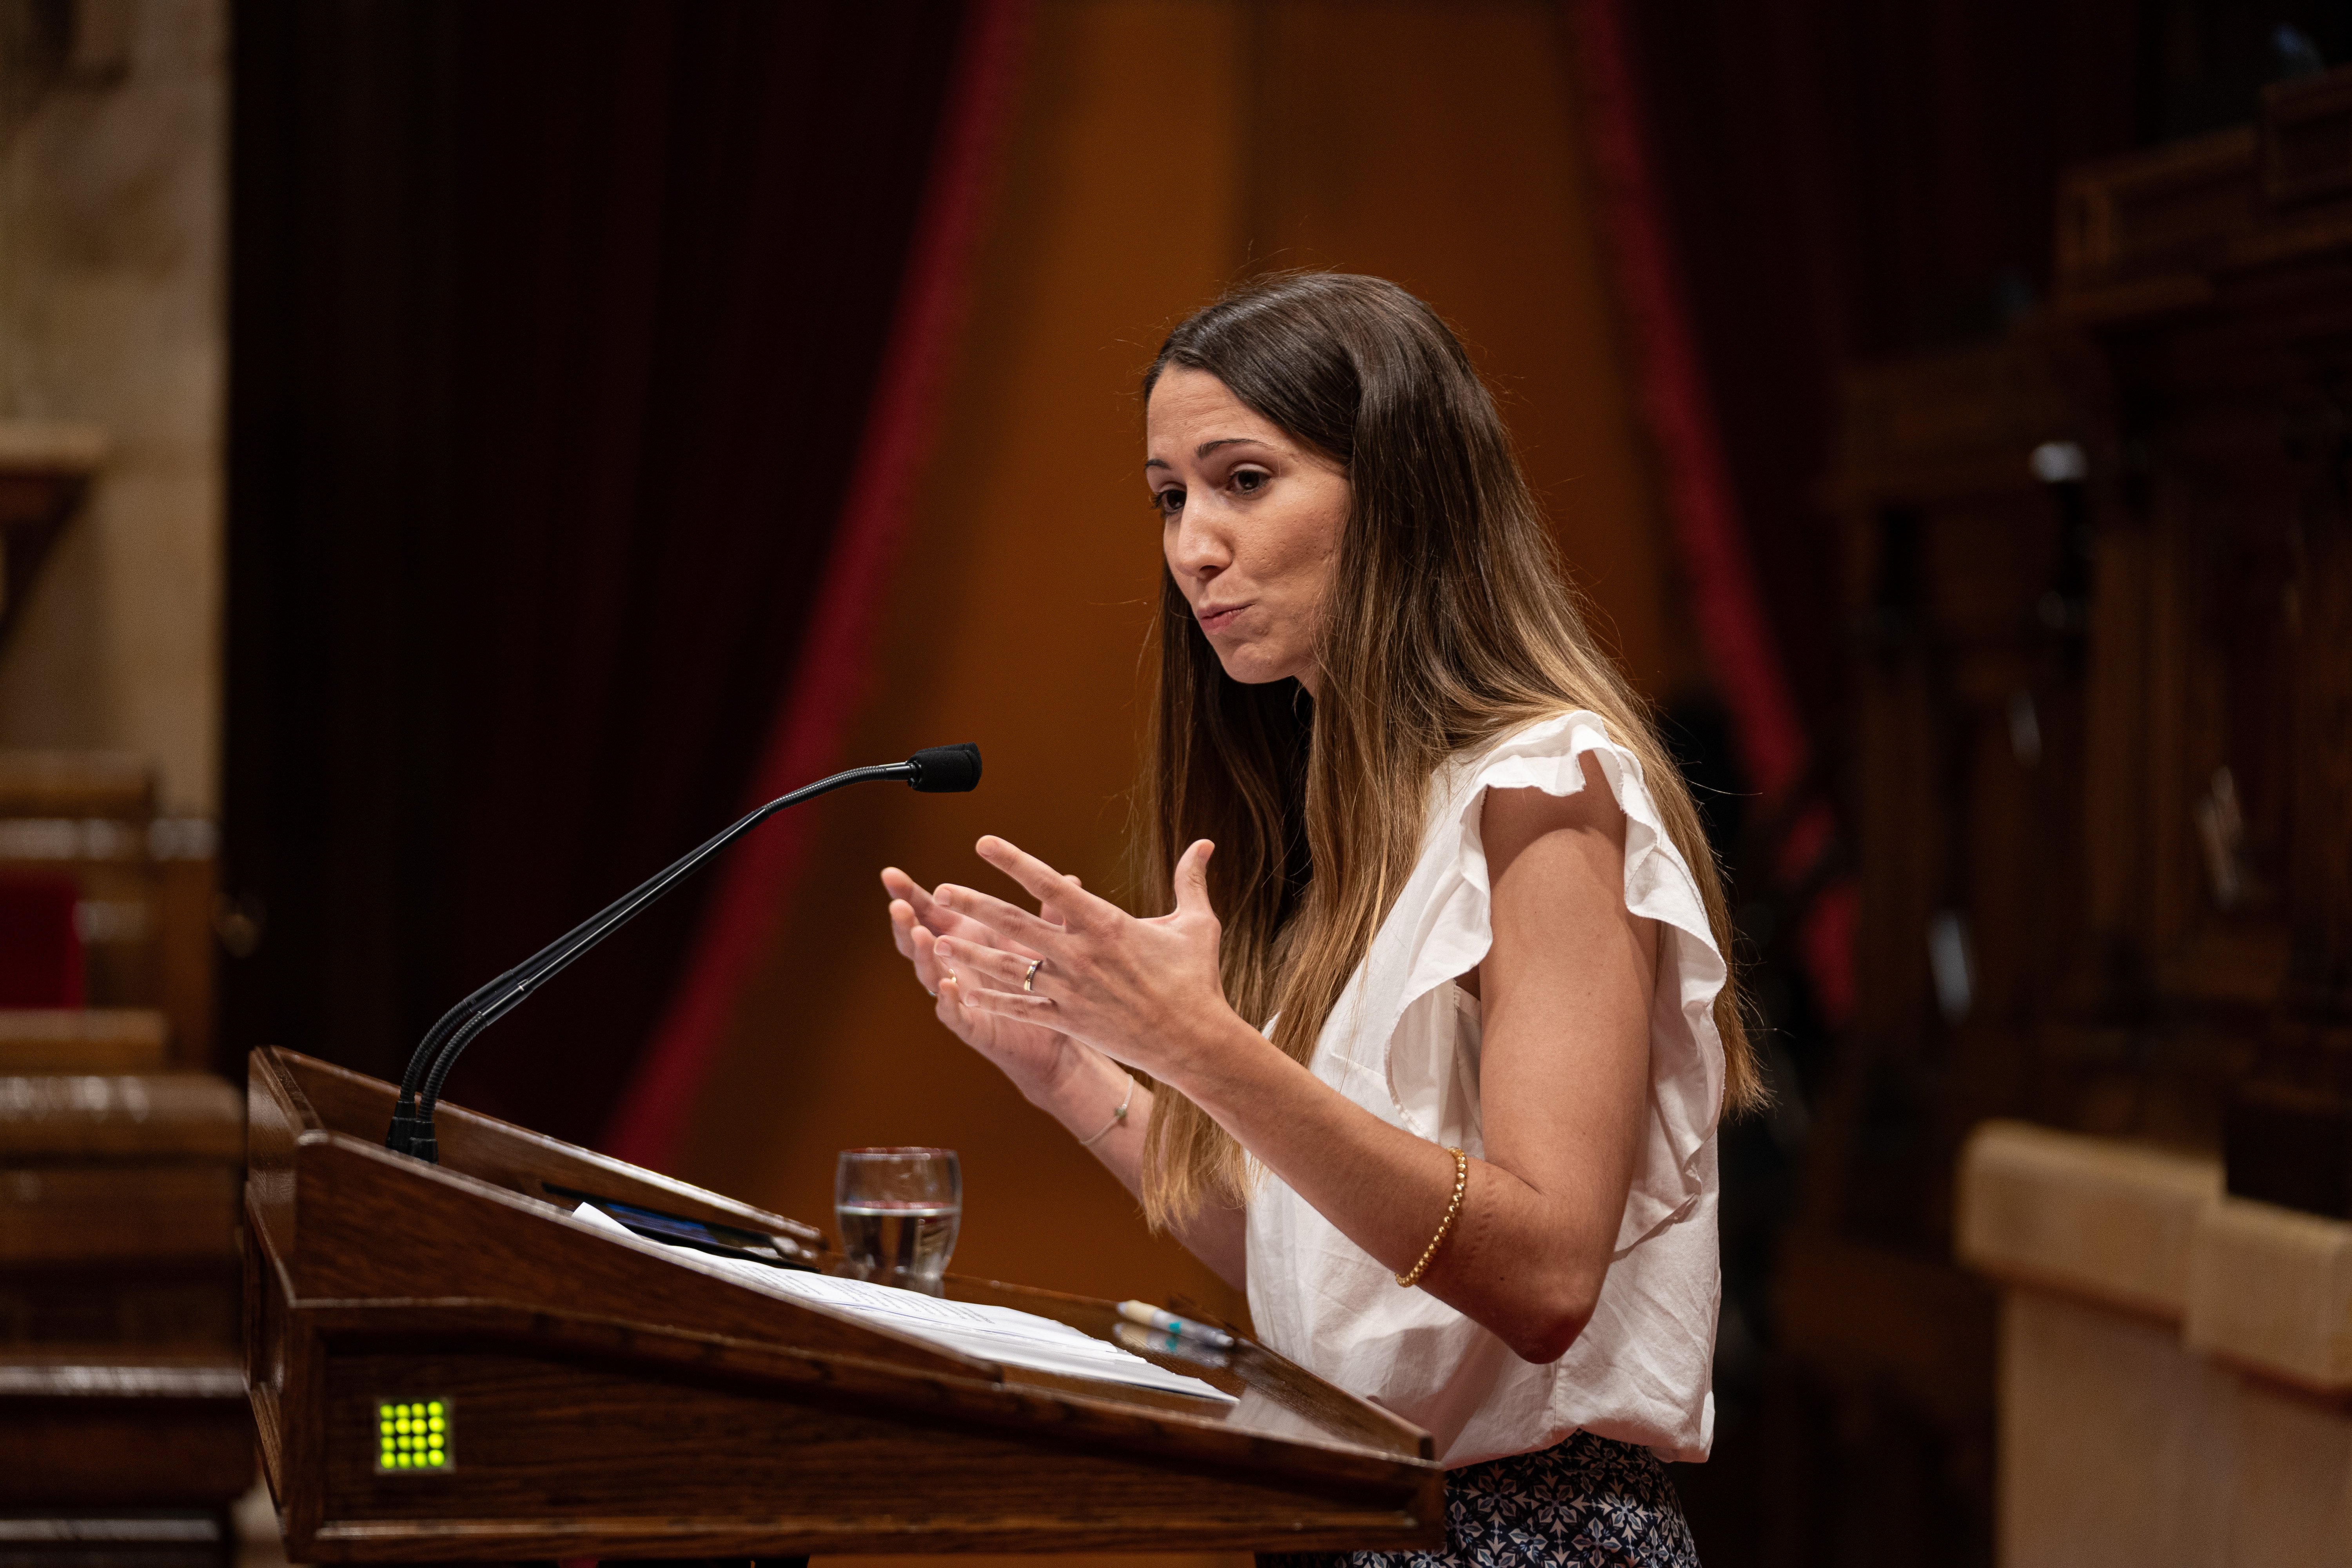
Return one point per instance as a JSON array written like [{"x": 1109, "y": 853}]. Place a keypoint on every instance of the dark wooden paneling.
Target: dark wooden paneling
[
  {"x": 2155, "y": 876},
  {"x": 140, "y": 1430},
  {"x": 131, "y": 1212},
  {"x": 119, "y": 1218}
]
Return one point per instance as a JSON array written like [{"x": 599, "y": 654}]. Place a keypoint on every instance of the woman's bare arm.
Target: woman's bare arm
[
  {"x": 1565, "y": 996},
  {"x": 1214, "y": 1233}
]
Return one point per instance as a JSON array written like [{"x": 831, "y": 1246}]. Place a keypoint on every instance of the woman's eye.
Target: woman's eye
[
  {"x": 1168, "y": 503},
  {"x": 1249, "y": 481}
]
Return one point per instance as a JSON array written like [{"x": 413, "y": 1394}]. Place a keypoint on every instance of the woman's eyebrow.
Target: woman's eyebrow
[{"x": 1205, "y": 447}]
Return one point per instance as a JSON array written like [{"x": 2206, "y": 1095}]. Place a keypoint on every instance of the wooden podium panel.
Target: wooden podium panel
[{"x": 605, "y": 1396}]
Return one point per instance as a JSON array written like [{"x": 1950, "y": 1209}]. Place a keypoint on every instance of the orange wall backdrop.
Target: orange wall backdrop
[
  {"x": 1163, "y": 149},
  {"x": 1440, "y": 145}
]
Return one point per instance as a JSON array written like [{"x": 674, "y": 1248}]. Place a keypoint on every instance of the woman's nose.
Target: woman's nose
[{"x": 1197, "y": 551}]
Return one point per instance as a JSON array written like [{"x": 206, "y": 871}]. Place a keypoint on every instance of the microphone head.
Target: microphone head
[{"x": 946, "y": 770}]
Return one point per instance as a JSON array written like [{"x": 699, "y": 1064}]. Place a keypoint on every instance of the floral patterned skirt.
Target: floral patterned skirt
[{"x": 1587, "y": 1502}]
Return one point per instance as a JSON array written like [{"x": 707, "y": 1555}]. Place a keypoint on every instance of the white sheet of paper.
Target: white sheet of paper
[{"x": 991, "y": 1333}]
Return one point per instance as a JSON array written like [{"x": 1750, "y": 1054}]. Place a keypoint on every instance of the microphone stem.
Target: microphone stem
[{"x": 411, "y": 1130}]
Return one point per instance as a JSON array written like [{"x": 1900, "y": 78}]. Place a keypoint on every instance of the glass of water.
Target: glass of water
[{"x": 899, "y": 1210}]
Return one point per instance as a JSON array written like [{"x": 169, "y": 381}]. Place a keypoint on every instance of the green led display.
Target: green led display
[{"x": 413, "y": 1435}]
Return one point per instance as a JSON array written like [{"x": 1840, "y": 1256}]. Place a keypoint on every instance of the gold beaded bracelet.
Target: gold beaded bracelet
[{"x": 1461, "y": 1185}]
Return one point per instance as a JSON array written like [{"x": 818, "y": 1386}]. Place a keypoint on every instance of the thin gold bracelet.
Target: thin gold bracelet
[{"x": 1461, "y": 1185}]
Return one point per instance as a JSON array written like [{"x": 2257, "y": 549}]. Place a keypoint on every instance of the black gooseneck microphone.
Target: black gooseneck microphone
[{"x": 935, "y": 769}]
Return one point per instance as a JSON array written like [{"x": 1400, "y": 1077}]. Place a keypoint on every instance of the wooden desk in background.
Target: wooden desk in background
[
  {"x": 121, "y": 1404},
  {"x": 2176, "y": 1382}
]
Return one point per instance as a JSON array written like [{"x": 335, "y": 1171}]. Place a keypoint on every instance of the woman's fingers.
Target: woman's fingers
[
  {"x": 991, "y": 966},
  {"x": 928, "y": 967},
  {"x": 1049, "y": 912},
  {"x": 928, "y": 911},
  {"x": 1013, "y": 925},
  {"x": 901, "y": 887},
  {"x": 1191, "y": 878},
  {"x": 917, "y": 944},
  {"x": 926, "y": 907},
  {"x": 1075, "y": 906},
  {"x": 914, "y": 943},
  {"x": 902, "y": 929},
  {"x": 1015, "y": 1006},
  {"x": 902, "y": 921}
]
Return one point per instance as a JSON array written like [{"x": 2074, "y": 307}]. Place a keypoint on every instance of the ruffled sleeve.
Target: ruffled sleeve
[{"x": 1441, "y": 927}]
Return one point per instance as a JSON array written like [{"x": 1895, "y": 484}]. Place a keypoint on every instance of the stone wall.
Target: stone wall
[{"x": 113, "y": 137}]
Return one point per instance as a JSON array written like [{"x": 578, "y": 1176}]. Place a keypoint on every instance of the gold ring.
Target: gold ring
[{"x": 1029, "y": 980}]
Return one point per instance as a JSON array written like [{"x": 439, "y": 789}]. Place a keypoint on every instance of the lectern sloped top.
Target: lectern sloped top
[{"x": 589, "y": 1394}]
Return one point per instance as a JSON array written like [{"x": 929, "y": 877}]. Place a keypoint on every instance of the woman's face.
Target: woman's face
[{"x": 1250, "y": 520}]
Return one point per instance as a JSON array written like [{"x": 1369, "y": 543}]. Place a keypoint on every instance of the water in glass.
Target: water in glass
[{"x": 899, "y": 1210}]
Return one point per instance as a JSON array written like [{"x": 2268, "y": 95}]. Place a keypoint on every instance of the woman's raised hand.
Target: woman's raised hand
[
  {"x": 1143, "y": 992},
  {"x": 1032, "y": 1055}
]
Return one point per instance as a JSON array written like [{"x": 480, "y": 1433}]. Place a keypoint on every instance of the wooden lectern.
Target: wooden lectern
[{"x": 601, "y": 1396}]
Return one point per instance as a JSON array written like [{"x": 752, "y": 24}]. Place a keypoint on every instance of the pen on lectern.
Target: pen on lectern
[
  {"x": 1151, "y": 1317},
  {"x": 1135, "y": 1337}
]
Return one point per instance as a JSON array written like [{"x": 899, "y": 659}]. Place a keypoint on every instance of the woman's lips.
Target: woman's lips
[{"x": 1216, "y": 618}]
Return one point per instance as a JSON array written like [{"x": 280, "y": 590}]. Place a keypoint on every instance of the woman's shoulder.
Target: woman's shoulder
[
  {"x": 1563, "y": 755},
  {"x": 1518, "y": 816},
  {"x": 1556, "y": 753}
]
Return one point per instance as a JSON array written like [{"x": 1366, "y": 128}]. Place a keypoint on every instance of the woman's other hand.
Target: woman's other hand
[
  {"x": 1035, "y": 1055},
  {"x": 1144, "y": 992},
  {"x": 1164, "y": 966}
]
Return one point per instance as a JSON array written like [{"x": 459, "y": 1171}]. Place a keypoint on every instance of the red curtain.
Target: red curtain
[
  {"x": 554, "y": 329},
  {"x": 824, "y": 694}
]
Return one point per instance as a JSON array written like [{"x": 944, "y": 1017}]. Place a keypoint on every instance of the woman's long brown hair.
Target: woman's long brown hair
[{"x": 1449, "y": 622}]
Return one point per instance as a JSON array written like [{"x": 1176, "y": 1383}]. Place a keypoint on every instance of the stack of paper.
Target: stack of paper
[{"x": 991, "y": 1333}]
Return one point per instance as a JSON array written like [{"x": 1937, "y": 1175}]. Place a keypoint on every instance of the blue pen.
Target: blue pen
[
  {"x": 1151, "y": 1342},
  {"x": 1151, "y": 1317}
]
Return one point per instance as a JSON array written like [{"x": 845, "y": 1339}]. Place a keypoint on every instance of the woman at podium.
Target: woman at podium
[{"x": 1427, "y": 1048}]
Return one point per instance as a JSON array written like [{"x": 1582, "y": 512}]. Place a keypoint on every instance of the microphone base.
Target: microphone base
[{"x": 413, "y": 1136}]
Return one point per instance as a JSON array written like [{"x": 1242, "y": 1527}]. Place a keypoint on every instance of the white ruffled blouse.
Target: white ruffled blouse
[{"x": 1403, "y": 1042}]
